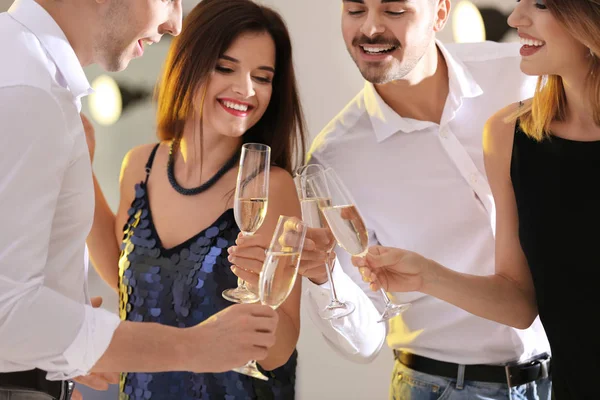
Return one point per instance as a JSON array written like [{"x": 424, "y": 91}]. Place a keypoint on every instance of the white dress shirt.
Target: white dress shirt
[
  {"x": 46, "y": 202},
  {"x": 421, "y": 186}
]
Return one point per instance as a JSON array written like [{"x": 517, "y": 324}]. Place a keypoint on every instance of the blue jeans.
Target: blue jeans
[{"x": 408, "y": 384}]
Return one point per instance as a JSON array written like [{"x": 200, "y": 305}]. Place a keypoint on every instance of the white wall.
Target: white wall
[{"x": 328, "y": 79}]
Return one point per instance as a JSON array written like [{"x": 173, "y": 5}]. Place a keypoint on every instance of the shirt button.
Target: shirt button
[
  {"x": 474, "y": 178},
  {"x": 444, "y": 133}
]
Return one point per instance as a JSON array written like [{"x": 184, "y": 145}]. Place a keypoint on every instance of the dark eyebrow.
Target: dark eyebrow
[{"x": 235, "y": 60}]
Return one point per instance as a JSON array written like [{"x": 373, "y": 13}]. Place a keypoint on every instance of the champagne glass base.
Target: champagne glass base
[
  {"x": 393, "y": 310},
  {"x": 337, "y": 309},
  {"x": 238, "y": 295},
  {"x": 251, "y": 370}
]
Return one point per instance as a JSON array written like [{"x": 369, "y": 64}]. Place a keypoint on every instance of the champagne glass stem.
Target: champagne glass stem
[
  {"x": 241, "y": 294},
  {"x": 334, "y": 298},
  {"x": 385, "y": 297},
  {"x": 242, "y": 283}
]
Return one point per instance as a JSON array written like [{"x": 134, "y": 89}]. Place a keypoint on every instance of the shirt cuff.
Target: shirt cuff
[
  {"x": 90, "y": 343},
  {"x": 321, "y": 297}
]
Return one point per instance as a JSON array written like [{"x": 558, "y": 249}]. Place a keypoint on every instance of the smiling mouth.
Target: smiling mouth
[
  {"x": 376, "y": 50},
  {"x": 236, "y": 109},
  {"x": 532, "y": 42}
]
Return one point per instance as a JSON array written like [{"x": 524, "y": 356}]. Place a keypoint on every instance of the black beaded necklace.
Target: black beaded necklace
[{"x": 199, "y": 189}]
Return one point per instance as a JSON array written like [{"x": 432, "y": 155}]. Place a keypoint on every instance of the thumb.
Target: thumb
[
  {"x": 96, "y": 301},
  {"x": 378, "y": 257}
]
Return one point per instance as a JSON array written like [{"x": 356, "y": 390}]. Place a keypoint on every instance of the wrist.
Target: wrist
[
  {"x": 430, "y": 275},
  {"x": 183, "y": 348}
]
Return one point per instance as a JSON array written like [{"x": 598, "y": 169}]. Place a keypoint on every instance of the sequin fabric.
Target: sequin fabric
[{"x": 182, "y": 287}]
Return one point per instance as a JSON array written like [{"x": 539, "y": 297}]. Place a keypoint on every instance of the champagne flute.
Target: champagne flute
[
  {"x": 312, "y": 214},
  {"x": 250, "y": 204},
  {"x": 348, "y": 226},
  {"x": 279, "y": 272}
]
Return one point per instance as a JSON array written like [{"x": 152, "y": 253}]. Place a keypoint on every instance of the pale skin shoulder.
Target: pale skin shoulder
[
  {"x": 104, "y": 248},
  {"x": 133, "y": 171}
]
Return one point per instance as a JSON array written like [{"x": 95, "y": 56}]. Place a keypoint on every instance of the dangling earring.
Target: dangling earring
[{"x": 592, "y": 54}]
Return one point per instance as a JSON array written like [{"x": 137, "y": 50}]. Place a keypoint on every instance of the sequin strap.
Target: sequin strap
[{"x": 151, "y": 161}]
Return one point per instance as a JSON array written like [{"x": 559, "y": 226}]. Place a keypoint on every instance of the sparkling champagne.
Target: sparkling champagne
[
  {"x": 277, "y": 277},
  {"x": 312, "y": 214},
  {"x": 348, "y": 228},
  {"x": 250, "y": 214}
]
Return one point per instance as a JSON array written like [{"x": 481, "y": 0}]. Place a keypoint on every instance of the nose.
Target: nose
[
  {"x": 518, "y": 18},
  {"x": 372, "y": 25},
  {"x": 244, "y": 86},
  {"x": 172, "y": 25}
]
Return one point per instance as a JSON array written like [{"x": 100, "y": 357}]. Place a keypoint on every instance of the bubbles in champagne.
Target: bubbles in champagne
[
  {"x": 250, "y": 213},
  {"x": 348, "y": 228},
  {"x": 311, "y": 211},
  {"x": 277, "y": 277}
]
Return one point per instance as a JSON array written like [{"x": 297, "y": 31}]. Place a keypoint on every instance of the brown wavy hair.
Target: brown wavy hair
[
  {"x": 581, "y": 19},
  {"x": 208, "y": 31}
]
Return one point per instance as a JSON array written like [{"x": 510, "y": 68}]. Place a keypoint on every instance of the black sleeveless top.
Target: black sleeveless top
[
  {"x": 557, "y": 189},
  {"x": 182, "y": 287}
]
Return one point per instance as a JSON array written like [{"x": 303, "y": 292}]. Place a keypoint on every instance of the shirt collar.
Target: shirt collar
[
  {"x": 386, "y": 122},
  {"x": 33, "y": 16}
]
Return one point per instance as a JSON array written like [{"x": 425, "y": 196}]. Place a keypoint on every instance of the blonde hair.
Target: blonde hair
[{"x": 581, "y": 19}]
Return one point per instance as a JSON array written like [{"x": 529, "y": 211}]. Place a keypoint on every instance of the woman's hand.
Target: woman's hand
[
  {"x": 394, "y": 270},
  {"x": 247, "y": 258}
]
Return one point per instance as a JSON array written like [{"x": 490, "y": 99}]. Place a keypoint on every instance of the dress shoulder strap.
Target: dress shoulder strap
[{"x": 151, "y": 161}]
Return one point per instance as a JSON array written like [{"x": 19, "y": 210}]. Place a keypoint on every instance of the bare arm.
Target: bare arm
[
  {"x": 507, "y": 296},
  {"x": 104, "y": 238},
  {"x": 226, "y": 340}
]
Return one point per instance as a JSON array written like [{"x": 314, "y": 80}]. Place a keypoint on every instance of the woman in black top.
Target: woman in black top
[{"x": 542, "y": 159}]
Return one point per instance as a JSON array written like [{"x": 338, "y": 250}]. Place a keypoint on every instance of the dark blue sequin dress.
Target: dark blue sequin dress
[{"x": 182, "y": 287}]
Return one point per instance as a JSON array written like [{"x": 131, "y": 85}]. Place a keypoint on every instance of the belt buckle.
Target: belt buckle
[
  {"x": 542, "y": 361},
  {"x": 508, "y": 375}
]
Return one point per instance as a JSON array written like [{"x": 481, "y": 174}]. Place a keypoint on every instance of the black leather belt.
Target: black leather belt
[
  {"x": 35, "y": 380},
  {"x": 515, "y": 374}
]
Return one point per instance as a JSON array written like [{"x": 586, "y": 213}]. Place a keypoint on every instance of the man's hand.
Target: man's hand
[
  {"x": 232, "y": 337},
  {"x": 318, "y": 248},
  {"x": 97, "y": 381},
  {"x": 90, "y": 135}
]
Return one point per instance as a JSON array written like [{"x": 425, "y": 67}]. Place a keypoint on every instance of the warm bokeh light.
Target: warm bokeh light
[
  {"x": 106, "y": 103},
  {"x": 467, "y": 23}
]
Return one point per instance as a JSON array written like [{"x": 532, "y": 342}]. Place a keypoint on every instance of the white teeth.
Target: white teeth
[
  {"x": 532, "y": 42},
  {"x": 376, "y": 50},
  {"x": 235, "y": 106}
]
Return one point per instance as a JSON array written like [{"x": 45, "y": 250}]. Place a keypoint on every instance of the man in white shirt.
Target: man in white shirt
[
  {"x": 49, "y": 333},
  {"x": 408, "y": 147}
]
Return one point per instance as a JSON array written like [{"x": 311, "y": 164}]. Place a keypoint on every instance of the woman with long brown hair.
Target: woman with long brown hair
[
  {"x": 542, "y": 159},
  {"x": 228, "y": 80}
]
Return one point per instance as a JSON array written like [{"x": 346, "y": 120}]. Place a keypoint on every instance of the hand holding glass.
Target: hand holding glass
[
  {"x": 250, "y": 203},
  {"x": 279, "y": 271},
  {"x": 312, "y": 214},
  {"x": 347, "y": 225}
]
